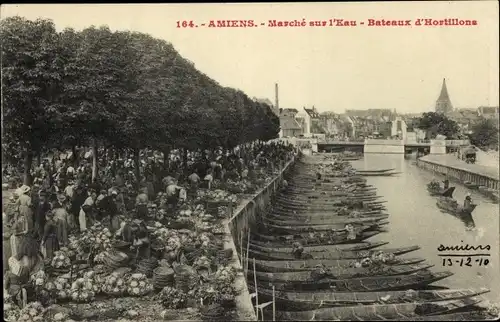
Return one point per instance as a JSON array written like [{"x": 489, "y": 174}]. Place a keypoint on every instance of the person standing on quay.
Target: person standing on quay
[
  {"x": 141, "y": 204},
  {"x": 41, "y": 210},
  {"x": 60, "y": 216},
  {"x": 24, "y": 203},
  {"x": 86, "y": 210},
  {"x": 50, "y": 241}
]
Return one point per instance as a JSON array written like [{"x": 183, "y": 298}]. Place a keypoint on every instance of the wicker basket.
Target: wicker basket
[
  {"x": 186, "y": 277},
  {"x": 122, "y": 246},
  {"x": 116, "y": 259},
  {"x": 213, "y": 312},
  {"x": 163, "y": 276},
  {"x": 147, "y": 266}
]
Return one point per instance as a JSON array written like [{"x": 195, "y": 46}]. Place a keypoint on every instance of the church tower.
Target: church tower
[{"x": 443, "y": 103}]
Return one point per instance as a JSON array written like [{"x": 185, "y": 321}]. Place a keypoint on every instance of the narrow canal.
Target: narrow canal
[{"x": 416, "y": 220}]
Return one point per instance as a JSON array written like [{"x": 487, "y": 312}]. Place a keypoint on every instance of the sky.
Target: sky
[{"x": 332, "y": 68}]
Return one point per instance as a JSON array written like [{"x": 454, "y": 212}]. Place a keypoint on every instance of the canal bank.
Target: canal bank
[
  {"x": 237, "y": 227},
  {"x": 450, "y": 166}
]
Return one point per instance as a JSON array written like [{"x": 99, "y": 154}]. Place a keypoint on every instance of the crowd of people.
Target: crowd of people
[{"x": 65, "y": 200}]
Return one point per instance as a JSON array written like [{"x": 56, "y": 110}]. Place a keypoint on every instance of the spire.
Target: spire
[{"x": 444, "y": 92}]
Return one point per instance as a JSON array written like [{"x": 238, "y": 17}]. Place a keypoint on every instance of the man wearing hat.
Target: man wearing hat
[
  {"x": 141, "y": 204},
  {"x": 41, "y": 210},
  {"x": 109, "y": 209},
  {"x": 468, "y": 201}
]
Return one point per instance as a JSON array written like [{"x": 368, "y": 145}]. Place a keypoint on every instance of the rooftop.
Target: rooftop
[
  {"x": 289, "y": 123},
  {"x": 312, "y": 112}
]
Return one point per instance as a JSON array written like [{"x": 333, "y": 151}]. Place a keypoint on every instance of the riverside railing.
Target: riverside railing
[{"x": 238, "y": 226}]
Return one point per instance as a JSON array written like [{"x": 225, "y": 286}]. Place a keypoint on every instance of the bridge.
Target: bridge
[{"x": 393, "y": 146}]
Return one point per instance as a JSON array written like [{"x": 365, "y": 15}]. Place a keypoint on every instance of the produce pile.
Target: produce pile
[
  {"x": 217, "y": 195},
  {"x": 196, "y": 246},
  {"x": 243, "y": 186},
  {"x": 433, "y": 185},
  {"x": 32, "y": 312},
  {"x": 139, "y": 285},
  {"x": 114, "y": 285},
  {"x": 215, "y": 288},
  {"x": 96, "y": 237},
  {"x": 11, "y": 311},
  {"x": 61, "y": 260},
  {"x": 376, "y": 259}
]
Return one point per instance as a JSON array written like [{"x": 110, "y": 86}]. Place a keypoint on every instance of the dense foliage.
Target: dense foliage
[
  {"x": 436, "y": 123},
  {"x": 122, "y": 89},
  {"x": 485, "y": 134}
]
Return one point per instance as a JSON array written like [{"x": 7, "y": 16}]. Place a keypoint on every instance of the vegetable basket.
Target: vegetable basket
[{"x": 163, "y": 276}]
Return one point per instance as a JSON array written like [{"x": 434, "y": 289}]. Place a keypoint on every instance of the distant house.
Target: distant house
[
  {"x": 290, "y": 127},
  {"x": 488, "y": 112},
  {"x": 312, "y": 122},
  {"x": 465, "y": 118}
]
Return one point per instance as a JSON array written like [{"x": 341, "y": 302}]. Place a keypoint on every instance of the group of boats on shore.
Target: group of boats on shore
[{"x": 311, "y": 258}]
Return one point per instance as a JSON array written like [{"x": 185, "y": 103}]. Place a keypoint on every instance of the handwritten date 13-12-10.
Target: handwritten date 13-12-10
[{"x": 465, "y": 261}]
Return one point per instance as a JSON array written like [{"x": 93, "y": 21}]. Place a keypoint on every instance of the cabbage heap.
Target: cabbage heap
[
  {"x": 138, "y": 285},
  {"x": 33, "y": 312}
]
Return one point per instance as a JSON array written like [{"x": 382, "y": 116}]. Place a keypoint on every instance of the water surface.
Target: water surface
[{"x": 416, "y": 220}]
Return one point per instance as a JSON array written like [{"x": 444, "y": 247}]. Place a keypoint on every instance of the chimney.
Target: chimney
[{"x": 276, "y": 102}]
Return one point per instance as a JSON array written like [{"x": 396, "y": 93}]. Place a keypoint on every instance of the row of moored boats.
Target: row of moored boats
[{"x": 309, "y": 257}]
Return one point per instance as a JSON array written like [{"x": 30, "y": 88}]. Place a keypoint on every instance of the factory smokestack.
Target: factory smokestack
[{"x": 276, "y": 100}]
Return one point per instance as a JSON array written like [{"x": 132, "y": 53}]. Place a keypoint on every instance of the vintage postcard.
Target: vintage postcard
[{"x": 250, "y": 161}]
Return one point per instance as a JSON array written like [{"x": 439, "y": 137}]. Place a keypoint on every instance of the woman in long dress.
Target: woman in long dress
[
  {"x": 16, "y": 237},
  {"x": 24, "y": 203},
  {"x": 61, "y": 221},
  {"x": 86, "y": 210},
  {"x": 50, "y": 242}
]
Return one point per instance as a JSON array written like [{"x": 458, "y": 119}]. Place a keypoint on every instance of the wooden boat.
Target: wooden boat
[
  {"x": 304, "y": 301},
  {"x": 471, "y": 185},
  {"x": 441, "y": 192},
  {"x": 451, "y": 206},
  {"x": 379, "y": 174},
  {"x": 328, "y": 194},
  {"x": 329, "y": 221},
  {"x": 319, "y": 237},
  {"x": 375, "y": 171},
  {"x": 252, "y": 253},
  {"x": 365, "y": 284},
  {"x": 473, "y": 314},
  {"x": 320, "y": 220},
  {"x": 328, "y": 187},
  {"x": 354, "y": 191},
  {"x": 333, "y": 227},
  {"x": 318, "y": 249},
  {"x": 322, "y": 214},
  {"x": 312, "y": 207},
  {"x": 324, "y": 200},
  {"x": 378, "y": 312},
  {"x": 311, "y": 264},
  {"x": 347, "y": 273}
]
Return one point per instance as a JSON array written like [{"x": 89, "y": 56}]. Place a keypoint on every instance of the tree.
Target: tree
[
  {"x": 485, "y": 134},
  {"x": 436, "y": 123},
  {"x": 122, "y": 89},
  {"x": 31, "y": 85}
]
